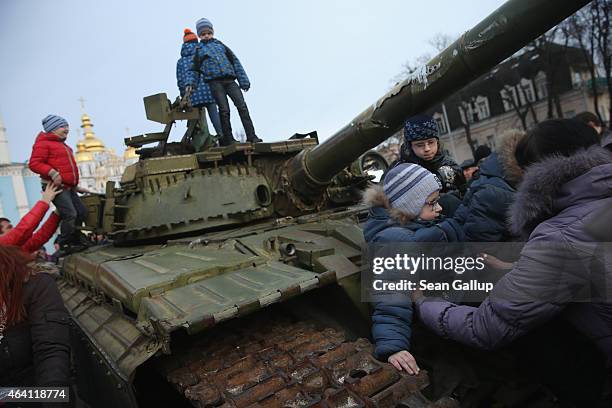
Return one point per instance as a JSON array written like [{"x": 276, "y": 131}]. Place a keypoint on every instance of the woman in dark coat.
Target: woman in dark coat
[
  {"x": 34, "y": 326},
  {"x": 564, "y": 188}
]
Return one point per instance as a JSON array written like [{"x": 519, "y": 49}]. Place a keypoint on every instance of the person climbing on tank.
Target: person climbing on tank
[
  {"x": 199, "y": 95},
  {"x": 422, "y": 146},
  {"x": 404, "y": 209},
  {"x": 219, "y": 67},
  {"x": 54, "y": 161}
]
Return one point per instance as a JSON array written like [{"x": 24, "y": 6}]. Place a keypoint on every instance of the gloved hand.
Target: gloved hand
[
  {"x": 447, "y": 176},
  {"x": 186, "y": 99}
]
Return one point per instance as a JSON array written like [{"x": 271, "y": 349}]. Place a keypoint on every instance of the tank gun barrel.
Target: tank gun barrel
[{"x": 491, "y": 41}]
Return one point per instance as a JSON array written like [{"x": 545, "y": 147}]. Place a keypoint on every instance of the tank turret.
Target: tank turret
[{"x": 174, "y": 191}]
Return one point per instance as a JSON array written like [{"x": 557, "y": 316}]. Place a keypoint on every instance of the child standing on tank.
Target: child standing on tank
[
  {"x": 54, "y": 161},
  {"x": 219, "y": 67},
  {"x": 190, "y": 83}
]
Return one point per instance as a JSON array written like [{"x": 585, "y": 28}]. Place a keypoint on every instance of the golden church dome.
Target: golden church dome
[
  {"x": 82, "y": 154},
  {"x": 91, "y": 142}
]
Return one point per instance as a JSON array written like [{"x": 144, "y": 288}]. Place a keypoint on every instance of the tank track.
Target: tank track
[{"x": 290, "y": 365}]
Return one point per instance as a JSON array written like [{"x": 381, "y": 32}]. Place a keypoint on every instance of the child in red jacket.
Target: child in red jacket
[{"x": 54, "y": 161}]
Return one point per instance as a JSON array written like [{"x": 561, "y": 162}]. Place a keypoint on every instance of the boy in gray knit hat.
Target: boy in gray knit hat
[
  {"x": 404, "y": 209},
  {"x": 409, "y": 187},
  {"x": 219, "y": 67}
]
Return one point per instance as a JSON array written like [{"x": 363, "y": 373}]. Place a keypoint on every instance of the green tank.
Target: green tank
[{"x": 233, "y": 277}]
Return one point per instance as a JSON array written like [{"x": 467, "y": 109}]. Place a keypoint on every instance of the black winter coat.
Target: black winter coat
[
  {"x": 484, "y": 210},
  {"x": 36, "y": 352}
]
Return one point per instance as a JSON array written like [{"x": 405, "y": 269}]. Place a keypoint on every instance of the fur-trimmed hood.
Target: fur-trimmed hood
[
  {"x": 557, "y": 183},
  {"x": 387, "y": 224},
  {"x": 502, "y": 163},
  {"x": 512, "y": 171},
  {"x": 376, "y": 199},
  {"x": 374, "y": 196}
]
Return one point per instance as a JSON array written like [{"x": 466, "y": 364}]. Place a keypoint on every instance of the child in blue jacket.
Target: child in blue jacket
[
  {"x": 217, "y": 65},
  {"x": 199, "y": 93},
  {"x": 404, "y": 209}
]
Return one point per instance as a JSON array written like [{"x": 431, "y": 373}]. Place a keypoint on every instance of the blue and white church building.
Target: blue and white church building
[{"x": 20, "y": 188}]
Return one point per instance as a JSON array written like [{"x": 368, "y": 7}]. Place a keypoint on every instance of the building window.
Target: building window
[
  {"x": 509, "y": 97},
  {"x": 439, "y": 118},
  {"x": 466, "y": 113},
  {"x": 527, "y": 91},
  {"x": 540, "y": 81},
  {"x": 576, "y": 79},
  {"x": 482, "y": 108}
]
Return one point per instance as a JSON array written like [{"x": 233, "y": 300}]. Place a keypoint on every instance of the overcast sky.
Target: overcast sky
[{"x": 313, "y": 64}]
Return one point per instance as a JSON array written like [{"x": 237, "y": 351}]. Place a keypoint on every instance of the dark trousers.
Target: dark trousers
[
  {"x": 72, "y": 213},
  {"x": 221, "y": 89}
]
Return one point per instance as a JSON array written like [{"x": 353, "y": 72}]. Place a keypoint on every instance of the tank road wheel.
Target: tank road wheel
[{"x": 289, "y": 365}]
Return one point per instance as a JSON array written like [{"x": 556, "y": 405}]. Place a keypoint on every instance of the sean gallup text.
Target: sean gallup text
[{"x": 423, "y": 284}]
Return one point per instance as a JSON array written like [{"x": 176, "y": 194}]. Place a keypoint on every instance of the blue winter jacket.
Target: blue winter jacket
[
  {"x": 391, "y": 321},
  {"x": 484, "y": 211},
  {"x": 214, "y": 60},
  {"x": 186, "y": 75}
]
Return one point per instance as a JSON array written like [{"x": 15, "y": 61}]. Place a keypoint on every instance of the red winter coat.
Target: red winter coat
[
  {"x": 51, "y": 153},
  {"x": 22, "y": 235}
]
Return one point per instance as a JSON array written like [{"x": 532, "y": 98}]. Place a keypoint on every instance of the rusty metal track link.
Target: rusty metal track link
[{"x": 288, "y": 365}]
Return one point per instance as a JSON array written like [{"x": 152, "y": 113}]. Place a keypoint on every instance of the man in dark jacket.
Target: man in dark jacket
[
  {"x": 219, "y": 67},
  {"x": 422, "y": 146},
  {"x": 484, "y": 211}
]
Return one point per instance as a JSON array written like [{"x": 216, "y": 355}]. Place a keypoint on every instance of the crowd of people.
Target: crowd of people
[{"x": 543, "y": 188}]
